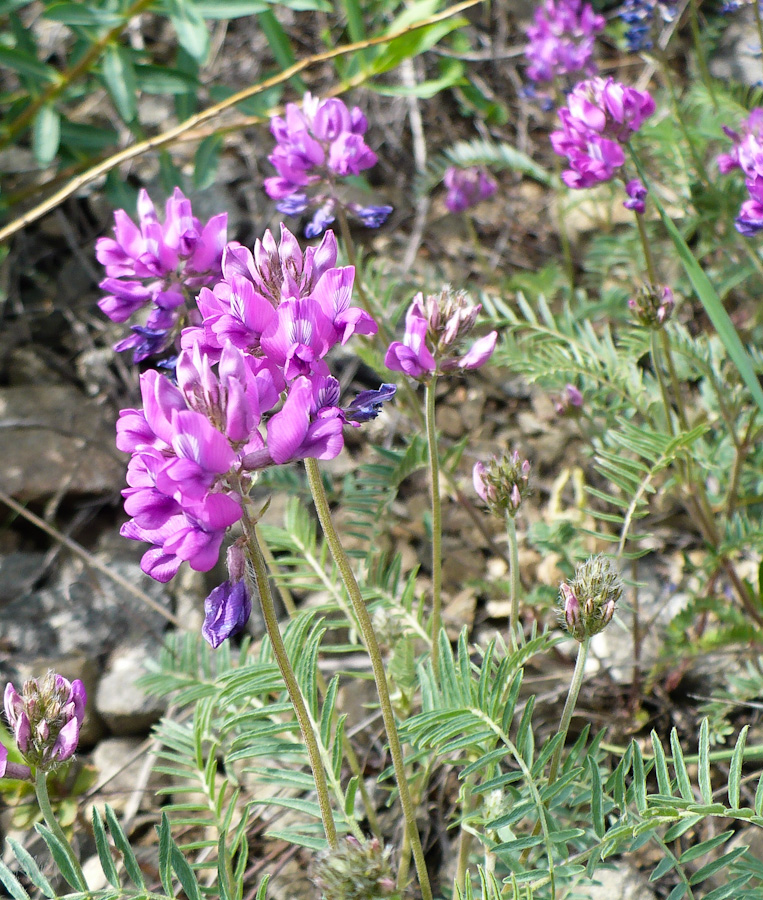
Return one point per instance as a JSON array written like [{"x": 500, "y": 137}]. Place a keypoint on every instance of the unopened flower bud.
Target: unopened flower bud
[
  {"x": 355, "y": 871},
  {"x": 46, "y": 718},
  {"x": 502, "y": 483},
  {"x": 570, "y": 402},
  {"x": 587, "y": 604},
  {"x": 653, "y": 305}
]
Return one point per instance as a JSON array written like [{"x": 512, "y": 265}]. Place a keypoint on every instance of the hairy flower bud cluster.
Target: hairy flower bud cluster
[
  {"x": 644, "y": 18},
  {"x": 653, "y": 305},
  {"x": 587, "y": 603},
  {"x": 747, "y": 155},
  {"x": 161, "y": 265},
  {"x": 600, "y": 117},
  {"x": 503, "y": 483},
  {"x": 316, "y": 145},
  {"x": 467, "y": 187},
  {"x": 253, "y": 390},
  {"x": 45, "y": 718},
  {"x": 435, "y": 327},
  {"x": 355, "y": 871},
  {"x": 561, "y": 40}
]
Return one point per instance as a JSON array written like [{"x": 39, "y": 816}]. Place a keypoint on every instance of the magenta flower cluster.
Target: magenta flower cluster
[
  {"x": 316, "y": 145},
  {"x": 46, "y": 718},
  {"x": 467, "y": 187},
  {"x": 561, "y": 40},
  {"x": 747, "y": 155},
  {"x": 161, "y": 265},
  {"x": 196, "y": 446},
  {"x": 600, "y": 117}
]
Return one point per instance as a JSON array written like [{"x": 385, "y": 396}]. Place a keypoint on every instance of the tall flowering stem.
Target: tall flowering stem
[
  {"x": 569, "y": 707},
  {"x": 290, "y": 679},
  {"x": 372, "y": 646},
  {"x": 43, "y": 801},
  {"x": 514, "y": 585},
  {"x": 434, "y": 480}
]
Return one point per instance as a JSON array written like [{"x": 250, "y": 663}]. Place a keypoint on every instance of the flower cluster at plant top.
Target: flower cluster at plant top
[
  {"x": 643, "y": 18},
  {"x": 265, "y": 329},
  {"x": 159, "y": 264},
  {"x": 467, "y": 187},
  {"x": 503, "y": 483},
  {"x": 747, "y": 155},
  {"x": 587, "y": 604},
  {"x": 434, "y": 328},
  {"x": 46, "y": 718},
  {"x": 315, "y": 146},
  {"x": 600, "y": 117},
  {"x": 561, "y": 40}
]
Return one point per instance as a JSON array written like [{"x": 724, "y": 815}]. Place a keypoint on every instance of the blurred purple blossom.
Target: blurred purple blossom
[
  {"x": 747, "y": 155},
  {"x": 467, "y": 187},
  {"x": 600, "y": 116},
  {"x": 561, "y": 40},
  {"x": 637, "y": 194},
  {"x": 643, "y": 18}
]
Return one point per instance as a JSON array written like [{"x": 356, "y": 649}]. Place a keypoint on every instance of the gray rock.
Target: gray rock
[
  {"x": 18, "y": 573},
  {"x": 124, "y": 707},
  {"x": 623, "y": 882},
  {"x": 54, "y": 439}
]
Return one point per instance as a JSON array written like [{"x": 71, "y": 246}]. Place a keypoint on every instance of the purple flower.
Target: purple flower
[
  {"x": 315, "y": 146},
  {"x": 434, "y": 328},
  {"x": 561, "y": 40},
  {"x": 636, "y": 196},
  {"x": 747, "y": 155},
  {"x": 158, "y": 264},
  {"x": 643, "y": 18},
  {"x": 467, "y": 187},
  {"x": 368, "y": 404},
  {"x": 226, "y": 612},
  {"x": 600, "y": 116},
  {"x": 46, "y": 718}
]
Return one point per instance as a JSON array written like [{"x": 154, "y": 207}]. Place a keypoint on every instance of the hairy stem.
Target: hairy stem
[
  {"x": 514, "y": 584},
  {"x": 43, "y": 800},
  {"x": 377, "y": 664},
  {"x": 569, "y": 706},
  {"x": 434, "y": 483},
  {"x": 290, "y": 679}
]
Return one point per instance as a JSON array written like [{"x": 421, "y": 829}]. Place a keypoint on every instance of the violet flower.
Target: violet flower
[
  {"x": 636, "y": 196},
  {"x": 315, "y": 147},
  {"x": 161, "y": 265},
  {"x": 561, "y": 40},
  {"x": 467, "y": 187},
  {"x": 601, "y": 115},
  {"x": 45, "y": 718},
  {"x": 434, "y": 329},
  {"x": 747, "y": 155},
  {"x": 643, "y": 18},
  {"x": 226, "y": 612}
]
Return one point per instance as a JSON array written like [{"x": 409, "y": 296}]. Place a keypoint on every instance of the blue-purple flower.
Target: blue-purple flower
[{"x": 467, "y": 187}]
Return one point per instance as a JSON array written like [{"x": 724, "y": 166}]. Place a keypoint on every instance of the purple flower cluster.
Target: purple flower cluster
[
  {"x": 46, "y": 718},
  {"x": 161, "y": 265},
  {"x": 561, "y": 40},
  {"x": 643, "y": 19},
  {"x": 316, "y": 145},
  {"x": 434, "y": 327},
  {"x": 265, "y": 330},
  {"x": 467, "y": 187},
  {"x": 747, "y": 155},
  {"x": 600, "y": 117}
]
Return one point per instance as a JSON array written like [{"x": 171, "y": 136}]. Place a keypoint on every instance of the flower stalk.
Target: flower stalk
[
  {"x": 434, "y": 483},
  {"x": 43, "y": 801},
  {"x": 372, "y": 646}
]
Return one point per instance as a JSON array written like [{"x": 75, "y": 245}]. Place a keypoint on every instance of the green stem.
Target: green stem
[
  {"x": 759, "y": 25},
  {"x": 648, "y": 258},
  {"x": 43, "y": 800},
  {"x": 290, "y": 679},
  {"x": 434, "y": 480},
  {"x": 569, "y": 706},
  {"x": 465, "y": 840},
  {"x": 377, "y": 664},
  {"x": 514, "y": 584},
  {"x": 701, "y": 58}
]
